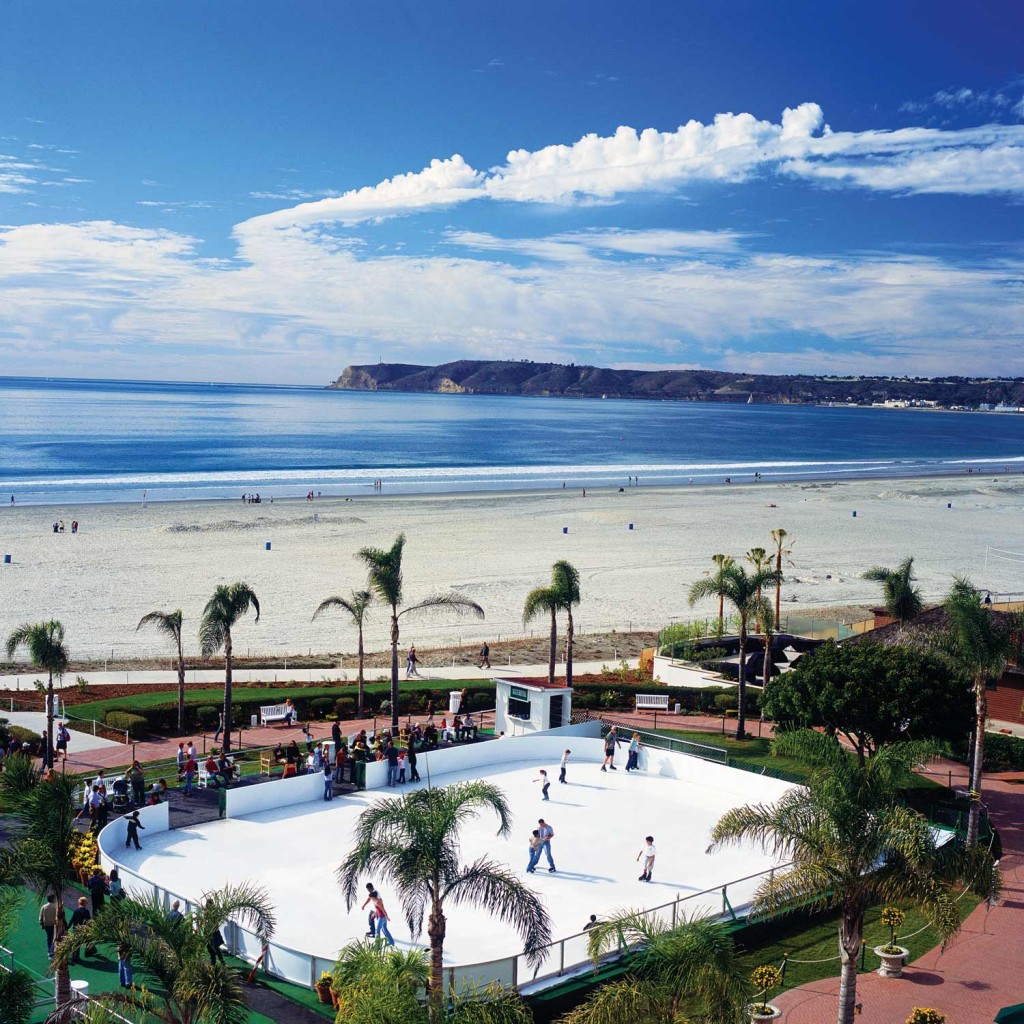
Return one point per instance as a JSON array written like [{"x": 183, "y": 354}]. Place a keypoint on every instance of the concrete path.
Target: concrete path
[
  {"x": 977, "y": 974},
  {"x": 80, "y": 740}
]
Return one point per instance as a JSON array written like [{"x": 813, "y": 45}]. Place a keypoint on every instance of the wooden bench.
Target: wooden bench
[
  {"x": 274, "y": 713},
  {"x": 652, "y": 702}
]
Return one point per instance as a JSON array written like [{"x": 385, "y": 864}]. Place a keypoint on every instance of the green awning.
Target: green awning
[{"x": 1011, "y": 1015}]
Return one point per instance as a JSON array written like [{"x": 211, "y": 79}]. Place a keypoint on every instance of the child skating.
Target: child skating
[
  {"x": 648, "y": 853},
  {"x": 562, "y": 766},
  {"x": 545, "y": 783}
]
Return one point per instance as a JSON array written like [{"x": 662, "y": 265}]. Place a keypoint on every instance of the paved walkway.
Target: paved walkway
[
  {"x": 977, "y": 974},
  {"x": 36, "y": 721}
]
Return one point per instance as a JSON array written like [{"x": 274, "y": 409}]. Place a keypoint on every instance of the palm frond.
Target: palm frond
[
  {"x": 169, "y": 623},
  {"x": 445, "y": 602}
]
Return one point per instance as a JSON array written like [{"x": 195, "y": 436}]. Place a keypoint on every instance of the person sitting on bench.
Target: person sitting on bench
[
  {"x": 468, "y": 727},
  {"x": 225, "y": 769}
]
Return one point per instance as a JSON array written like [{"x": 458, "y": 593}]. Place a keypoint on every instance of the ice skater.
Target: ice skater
[
  {"x": 382, "y": 919},
  {"x": 562, "y": 766},
  {"x": 534, "y": 849},
  {"x": 609, "y": 750},
  {"x": 547, "y": 833},
  {"x": 648, "y": 853},
  {"x": 633, "y": 758},
  {"x": 371, "y": 918},
  {"x": 132, "y": 834},
  {"x": 545, "y": 784}
]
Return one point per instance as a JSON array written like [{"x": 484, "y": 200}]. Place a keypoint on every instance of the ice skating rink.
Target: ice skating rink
[{"x": 600, "y": 820}]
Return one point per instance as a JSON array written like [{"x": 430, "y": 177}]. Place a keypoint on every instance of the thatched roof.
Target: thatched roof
[{"x": 919, "y": 631}]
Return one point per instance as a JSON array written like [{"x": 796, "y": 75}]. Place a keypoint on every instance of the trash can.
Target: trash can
[
  {"x": 679, "y": 709},
  {"x": 253, "y": 721},
  {"x": 454, "y": 701},
  {"x": 359, "y": 774},
  {"x": 79, "y": 991}
]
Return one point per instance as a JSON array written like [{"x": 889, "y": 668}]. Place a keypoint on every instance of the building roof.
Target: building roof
[
  {"x": 917, "y": 631},
  {"x": 533, "y": 682}
]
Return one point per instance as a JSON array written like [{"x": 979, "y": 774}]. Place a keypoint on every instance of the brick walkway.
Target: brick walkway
[{"x": 980, "y": 970}]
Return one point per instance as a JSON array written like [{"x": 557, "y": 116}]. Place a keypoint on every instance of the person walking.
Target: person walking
[
  {"x": 132, "y": 834},
  {"x": 48, "y": 921},
  {"x": 485, "y": 656},
  {"x": 382, "y": 919},
  {"x": 176, "y": 915},
  {"x": 648, "y": 853},
  {"x": 215, "y": 947},
  {"x": 534, "y": 850},
  {"x": 79, "y": 916},
  {"x": 97, "y": 886},
  {"x": 411, "y": 661},
  {"x": 633, "y": 759},
  {"x": 547, "y": 833},
  {"x": 220, "y": 727},
  {"x": 609, "y": 750},
  {"x": 430, "y": 710},
  {"x": 63, "y": 739},
  {"x": 545, "y": 784},
  {"x": 328, "y": 782},
  {"x": 562, "y": 766}
]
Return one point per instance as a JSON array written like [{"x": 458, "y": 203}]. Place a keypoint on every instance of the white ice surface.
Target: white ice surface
[{"x": 600, "y": 820}]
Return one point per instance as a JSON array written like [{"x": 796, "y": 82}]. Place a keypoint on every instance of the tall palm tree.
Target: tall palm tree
[
  {"x": 565, "y": 582},
  {"x": 169, "y": 623},
  {"x": 980, "y": 644},
  {"x": 542, "y": 600},
  {"x": 222, "y": 612},
  {"x": 851, "y": 845},
  {"x": 760, "y": 560},
  {"x": 741, "y": 590},
  {"x": 779, "y": 540},
  {"x": 46, "y": 650},
  {"x": 179, "y": 983},
  {"x": 722, "y": 562},
  {"x": 902, "y": 599},
  {"x": 415, "y": 840},
  {"x": 384, "y": 567},
  {"x": 672, "y": 970},
  {"x": 356, "y": 604}
]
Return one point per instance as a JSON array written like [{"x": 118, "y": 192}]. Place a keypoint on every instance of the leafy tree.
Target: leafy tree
[
  {"x": 902, "y": 598},
  {"x": 674, "y": 972},
  {"x": 220, "y": 616},
  {"x": 872, "y": 694},
  {"x": 169, "y": 623},
  {"x": 741, "y": 590},
  {"x": 980, "y": 644},
  {"x": 544, "y": 600},
  {"x": 851, "y": 845},
  {"x": 779, "y": 540},
  {"x": 46, "y": 650},
  {"x": 357, "y": 605},
  {"x": 565, "y": 582},
  {"x": 180, "y": 984},
  {"x": 414, "y": 839},
  {"x": 384, "y": 567}
]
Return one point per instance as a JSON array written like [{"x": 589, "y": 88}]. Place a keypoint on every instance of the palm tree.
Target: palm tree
[
  {"x": 538, "y": 601},
  {"x": 415, "y": 840},
  {"x": 179, "y": 983},
  {"x": 565, "y": 582},
  {"x": 902, "y": 598},
  {"x": 356, "y": 604},
  {"x": 384, "y": 566},
  {"x": 169, "y": 623},
  {"x": 741, "y": 590},
  {"x": 672, "y": 970},
  {"x": 980, "y": 644},
  {"x": 851, "y": 844},
  {"x": 17, "y": 989},
  {"x": 722, "y": 562},
  {"x": 46, "y": 650},
  {"x": 222, "y": 612},
  {"x": 760, "y": 560},
  {"x": 779, "y": 539}
]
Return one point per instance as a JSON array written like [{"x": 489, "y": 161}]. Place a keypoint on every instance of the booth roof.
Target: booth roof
[{"x": 534, "y": 682}]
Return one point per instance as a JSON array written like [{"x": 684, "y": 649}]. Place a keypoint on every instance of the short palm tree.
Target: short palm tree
[
  {"x": 222, "y": 612},
  {"x": 980, "y": 644},
  {"x": 17, "y": 988},
  {"x": 46, "y": 650},
  {"x": 179, "y": 983},
  {"x": 902, "y": 599},
  {"x": 760, "y": 560},
  {"x": 565, "y": 582},
  {"x": 384, "y": 566},
  {"x": 779, "y": 540},
  {"x": 691, "y": 968},
  {"x": 722, "y": 562},
  {"x": 851, "y": 844},
  {"x": 357, "y": 605},
  {"x": 741, "y": 590},
  {"x": 415, "y": 841},
  {"x": 169, "y": 623},
  {"x": 541, "y": 601}
]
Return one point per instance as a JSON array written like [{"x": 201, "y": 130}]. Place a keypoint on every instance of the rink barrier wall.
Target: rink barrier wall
[{"x": 564, "y": 957}]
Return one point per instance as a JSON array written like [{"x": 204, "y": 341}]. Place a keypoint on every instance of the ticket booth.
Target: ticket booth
[{"x": 529, "y": 706}]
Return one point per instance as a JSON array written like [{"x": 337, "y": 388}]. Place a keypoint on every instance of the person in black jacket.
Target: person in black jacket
[
  {"x": 132, "y": 835},
  {"x": 79, "y": 917}
]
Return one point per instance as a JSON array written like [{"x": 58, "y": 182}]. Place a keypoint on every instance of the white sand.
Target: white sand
[{"x": 127, "y": 560}]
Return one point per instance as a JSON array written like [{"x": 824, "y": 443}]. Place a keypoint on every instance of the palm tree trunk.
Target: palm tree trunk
[
  {"x": 181, "y": 690},
  {"x": 850, "y": 929},
  {"x": 48, "y": 752},
  {"x": 778, "y": 585},
  {"x": 227, "y": 691},
  {"x": 394, "y": 668},
  {"x": 359, "y": 697},
  {"x": 436, "y": 928},
  {"x": 553, "y": 648},
  {"x": 721, "y": 615},
  {"x": 741, "y": 713},
  {"x": 978, "y": 761},
  {"x": 767, "y": 675},
  {"x": 569, "y": 633}
]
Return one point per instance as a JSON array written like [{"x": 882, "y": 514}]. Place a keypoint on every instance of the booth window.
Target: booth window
[{"x": 518, "y": 708}]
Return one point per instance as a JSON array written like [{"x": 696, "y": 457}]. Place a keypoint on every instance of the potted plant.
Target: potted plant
[
  {"x": 925, "y": 1015},
  {"x": 764, "y": 979},
  {"x": 323, "y": 988},
  {"x": 892, "y": 956}
]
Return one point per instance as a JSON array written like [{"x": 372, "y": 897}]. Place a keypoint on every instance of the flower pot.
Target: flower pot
[
  {"x": 757, "y": 1017},
  {"x": 334, "y": 999},
  {"x": 892, "y": 963},
  {"x": 324, "y": 994}
]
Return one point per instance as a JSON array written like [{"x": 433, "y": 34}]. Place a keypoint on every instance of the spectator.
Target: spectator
[
  {"x": 138, "y": 780},
  {"x": 48, "y": 921},
  {"x": 391, "y": 756},
  {"x": 124, "y": 966},
  {"x": 97, "y": 886},
  {"x": 114, "y": 886},
  {"x": 176, "y": 915},
  {"x": 289, "y": 712},
  {"x": 79, "y": 917},
  {"x": 190, "y": 773}
]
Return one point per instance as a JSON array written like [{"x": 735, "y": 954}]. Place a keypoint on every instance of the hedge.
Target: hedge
[
  {"x": 619, "y": 695},
  {"x": 207, "y": 715},
  {"x": 319, "y": 707},
  {"x": 136, "y": 725},
  {"x": 1003, "y": 753}
]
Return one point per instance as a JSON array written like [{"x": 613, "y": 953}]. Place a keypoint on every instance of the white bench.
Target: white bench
[
  {"x": 652, "y": 702},
  {"x": 274, "y": 713}
]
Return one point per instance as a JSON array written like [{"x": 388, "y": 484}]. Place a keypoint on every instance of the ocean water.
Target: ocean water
[{"x": 112, "y": 441}]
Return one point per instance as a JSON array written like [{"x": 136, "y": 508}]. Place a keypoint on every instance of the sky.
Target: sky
[{"x": 259, "y": 191}]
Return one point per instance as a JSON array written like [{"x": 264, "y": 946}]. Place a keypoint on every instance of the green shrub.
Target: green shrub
[
  {"x": 137, "y": 726},
  {"x": 206, "y": 716},
  {"x": 584, "y": 700},
  {"x": 726, "y": 701},
  {"x": 481, "y": 701},
  {"x": 612, "y": 699},
  {"x": 319, "y": 707},
  {"x": 1003, "y": 753},
  {"x": 345, "y": 706}
]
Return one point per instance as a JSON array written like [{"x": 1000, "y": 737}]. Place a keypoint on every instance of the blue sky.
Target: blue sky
[{"x": 262, "y": 191}]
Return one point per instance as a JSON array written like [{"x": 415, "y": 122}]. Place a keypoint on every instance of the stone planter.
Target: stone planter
[
  {"x": 892, "y": 963},
  {"x": 761, "y": 1018}
]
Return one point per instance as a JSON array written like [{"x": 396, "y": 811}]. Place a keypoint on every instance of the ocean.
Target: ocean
[{"x": 72, "y": 441}]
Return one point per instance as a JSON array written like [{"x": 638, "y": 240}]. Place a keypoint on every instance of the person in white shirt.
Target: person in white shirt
[
  {"x": 562, "y": 765},
  {"x": 648, "y": 853}
]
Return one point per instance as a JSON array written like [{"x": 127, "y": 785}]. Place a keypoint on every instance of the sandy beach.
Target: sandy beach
[{"x": 128, "y": 559}]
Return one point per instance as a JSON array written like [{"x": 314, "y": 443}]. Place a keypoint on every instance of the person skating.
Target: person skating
[
  {"x": 371, "y": 920},
  {"x": 609, "y": 750},
  {"x": 382, "y": 919},
  {"x": 633, "y": 760},
  {"x": 647, "y": 852},
  {"x": 132, "y": 834},
  {"x": 534, "y": 850},
  {"x": 562, "y": 766},
  {"x": 545, "y": 784},
  {"x": 546, "y": 835}
]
